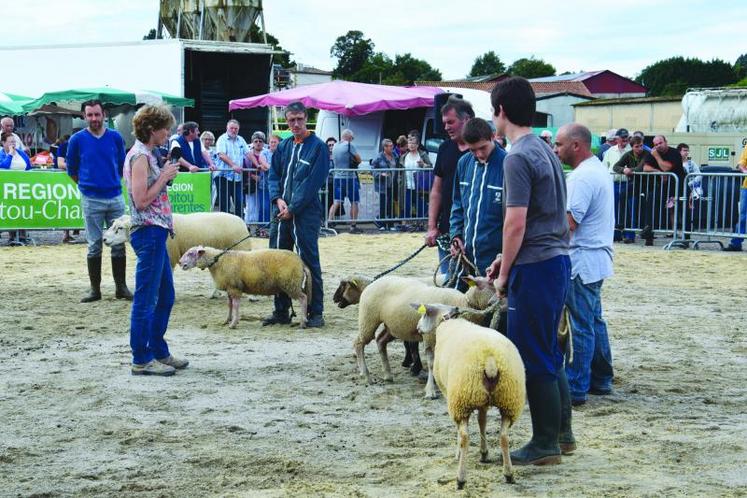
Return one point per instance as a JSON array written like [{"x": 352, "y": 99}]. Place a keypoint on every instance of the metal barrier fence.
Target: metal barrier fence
[{"x": 705, "y": 206}]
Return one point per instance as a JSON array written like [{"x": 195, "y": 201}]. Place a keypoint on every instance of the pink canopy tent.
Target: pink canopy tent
[{"x": 345, "y": 97}]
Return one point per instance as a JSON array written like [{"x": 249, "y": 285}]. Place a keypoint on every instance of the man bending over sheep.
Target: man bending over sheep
[
  {"x": 534, "y": 271},
  {"x": 477, "y": 210},
  {"x": 299, "y": 169}
]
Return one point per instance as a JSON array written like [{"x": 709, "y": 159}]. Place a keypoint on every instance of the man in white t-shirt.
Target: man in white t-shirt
[
  {"x": 7, "y": 125},
  {"x": 591, "y": 216}
]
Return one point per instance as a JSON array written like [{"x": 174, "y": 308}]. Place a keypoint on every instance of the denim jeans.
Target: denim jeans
[
  {"x": 154, "y": 295},
  {"x": 742, "y": 225},
  {"x": 624, "y": 208},
  {"x": 592, "y": 358},
  {"x": 96, "y": 213}
]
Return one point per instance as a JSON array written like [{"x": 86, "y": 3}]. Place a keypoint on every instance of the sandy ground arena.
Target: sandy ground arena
[{"x": 277, "y": 411}]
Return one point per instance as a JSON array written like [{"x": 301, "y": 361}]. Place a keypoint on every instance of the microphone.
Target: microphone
[{"x": 175, "y": 153}]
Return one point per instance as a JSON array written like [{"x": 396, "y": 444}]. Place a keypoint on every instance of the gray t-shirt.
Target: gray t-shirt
[
  {"x": 534, "y": 179},
  {"x": 342, "y": 153}
]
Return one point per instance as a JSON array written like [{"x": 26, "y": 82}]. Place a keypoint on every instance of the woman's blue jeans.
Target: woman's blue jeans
[
  {"x": 592, "y": 357},
  {"x": 742, "y": 224},
  {"x": 154, "y": 295}
]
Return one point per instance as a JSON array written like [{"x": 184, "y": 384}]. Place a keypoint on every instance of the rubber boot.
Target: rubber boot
[
  {"x": 94, "y": 275},
  {"x": 566, "y": 440},
  {"x": 119, "y": 271},
  {"x": 544, "y": 407}
]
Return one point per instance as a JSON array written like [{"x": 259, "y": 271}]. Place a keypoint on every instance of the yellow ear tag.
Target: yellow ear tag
[
  {"x": 422, "y": 309},
  {"x": 471, "y": 283},
  {"x": 354, "y": 282}
]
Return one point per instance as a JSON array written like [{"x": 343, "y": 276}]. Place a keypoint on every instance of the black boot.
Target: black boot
[
  {"x": 277, "y": 317},
  {"x": 544, "y": 407},
  {"x": 566, "y": 440},
  {"x": 119, "y": 270},
  {"x": 94, "y": 275}
]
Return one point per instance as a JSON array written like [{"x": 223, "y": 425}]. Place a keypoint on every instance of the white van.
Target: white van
[{"x": 371, "y": 129}]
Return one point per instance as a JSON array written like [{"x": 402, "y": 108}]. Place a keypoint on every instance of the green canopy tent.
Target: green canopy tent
[
  {"x": 110, "y": 97},
  {"x": 12, "y": 104}
]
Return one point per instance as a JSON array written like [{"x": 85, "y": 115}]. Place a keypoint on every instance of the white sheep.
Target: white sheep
[
  {"x": 476, "y": 368},
  {"x": 265, "y": 272},
  {"x": 386, "y": 301},
  {"x": 220, "y": 230}
]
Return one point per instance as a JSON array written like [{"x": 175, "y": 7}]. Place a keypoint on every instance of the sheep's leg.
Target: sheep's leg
[
  {"x": 508, "y": 470},
  {"x": 430, "y": 386},
  {"x": 381, "y": 341},
  {"x": 463, "y": 436},
  {"x": 365, "y": 335},
  {"x": 303, "y": 304},
  {"x": 482, "y": 418},
  {"x": 235, "y": 307},
  {"x": 230, "y": 312}
]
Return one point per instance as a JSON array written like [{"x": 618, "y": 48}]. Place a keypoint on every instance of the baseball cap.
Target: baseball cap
[
  {"x": 622, "y": 133},
  {"x": 611, "y": 133}
]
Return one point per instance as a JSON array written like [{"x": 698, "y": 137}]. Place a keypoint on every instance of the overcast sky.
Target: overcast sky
[{"x": 572, "y": 35}]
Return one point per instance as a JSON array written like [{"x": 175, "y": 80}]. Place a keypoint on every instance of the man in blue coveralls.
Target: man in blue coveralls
[
  {"x": 534, "y": 270},
  {"x": 476, "y": 222},
  {"x": 298, "y": 171}
]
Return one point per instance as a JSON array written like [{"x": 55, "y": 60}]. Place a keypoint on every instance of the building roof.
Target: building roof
[
  {"x": 551, "y": 87},
  {"x": 301, "y": 68},
  {"x": 567, "y": 77},
  {"x": 628, "y": 100}
]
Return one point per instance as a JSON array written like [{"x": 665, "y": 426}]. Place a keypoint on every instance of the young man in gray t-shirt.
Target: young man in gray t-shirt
[{"x": 534, "y": 269}]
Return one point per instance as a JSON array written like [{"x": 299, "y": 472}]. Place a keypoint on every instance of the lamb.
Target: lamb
[
  {"x": 476, "y": 368},
  {"x": 265, "y": 272},
  {"x": 219, "y": 230},
  {"x": 385, "y": 301}
]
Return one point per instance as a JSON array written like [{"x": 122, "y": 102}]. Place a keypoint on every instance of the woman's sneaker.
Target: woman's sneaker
[
  {"x": 153, "y": 367},
  {"x": 175, "y": 362}
]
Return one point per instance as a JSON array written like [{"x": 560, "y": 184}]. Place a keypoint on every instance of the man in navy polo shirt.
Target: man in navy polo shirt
[{"x": 95, "y": 157}]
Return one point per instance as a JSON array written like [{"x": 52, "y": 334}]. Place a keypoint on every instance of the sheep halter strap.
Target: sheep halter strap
[{"x": 224, "y": 251}]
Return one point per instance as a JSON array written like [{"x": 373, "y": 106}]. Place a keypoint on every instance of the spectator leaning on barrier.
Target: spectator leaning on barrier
[
  {"x": 454, "y": 114},
  {"x": 630, "y": 162},
  {"x": 534, "y": 270},
  {"x": 95, "y": 156},
  {"x": 640, "y": 134},
  {"x": 7, "y": 125},
  {"x": 299, "y": 169},
  {"x": 591, "y": 218},
  {"x": 735, "y": 245},
  {"x": 152, "y": 224},
  {"x": 259, "y": 164},
  {"x": 189, "y": 142},
  {"x": 231, "y": 149},
  {"x": 411, "y": 161},
  {"x": 476, "y": 223},
  {"x": 622, "y": 188},
  {"x": 610, "y": 141},
  {"x": 383, "y": 182},
  {"x": 663, "y": 158},
  {"x": 345, "y": 157}
]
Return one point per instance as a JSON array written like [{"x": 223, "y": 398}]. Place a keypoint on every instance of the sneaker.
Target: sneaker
[
  {"x": 173, "y": 361},
  {"x": 578, "y": 402},
  {"x": 153, "y": 367},
  {"x": 600, "y": 392},
  {"x": 355, "y": 229},
  {"x": 315, "y": 321},
  {"x": 731, "y": 248},
  {"x": 382, "y": 229},
  {"x": 276, "y": 319},
  {"x": 649, "y": 242}
]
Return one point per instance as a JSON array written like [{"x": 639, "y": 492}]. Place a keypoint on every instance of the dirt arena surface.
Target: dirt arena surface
[{"x": 278, "y": 411}]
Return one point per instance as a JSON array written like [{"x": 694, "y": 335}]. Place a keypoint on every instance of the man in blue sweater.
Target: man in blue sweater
[
  {"x": 95, "y": 157},
  {"x": 298, "y": 171},
  {"x": 476, "y": 222}
]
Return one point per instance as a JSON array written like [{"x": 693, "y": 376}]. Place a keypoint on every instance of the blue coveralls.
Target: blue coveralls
[
  {"x": 477, "y": 209},
  {"x": 297, "y": 173}
]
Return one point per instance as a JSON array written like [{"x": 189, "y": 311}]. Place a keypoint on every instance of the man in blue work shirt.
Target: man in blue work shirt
[
  {"x": 476, "y": 222},
  {"x": 298, "y": 171},
  {"x": 95, "y": 157}
]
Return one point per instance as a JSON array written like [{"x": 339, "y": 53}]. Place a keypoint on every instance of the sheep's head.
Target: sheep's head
[
  {"x": 118, "y": 232},
  {"x": 481, "y": 293},
  {"x": 432, "y": 315},
  {"x": 194, "y": 257},
  {"x": 349, "y": 291}
]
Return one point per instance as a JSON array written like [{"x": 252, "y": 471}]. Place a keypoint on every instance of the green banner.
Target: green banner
[{"x": 50, "y": 199}]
